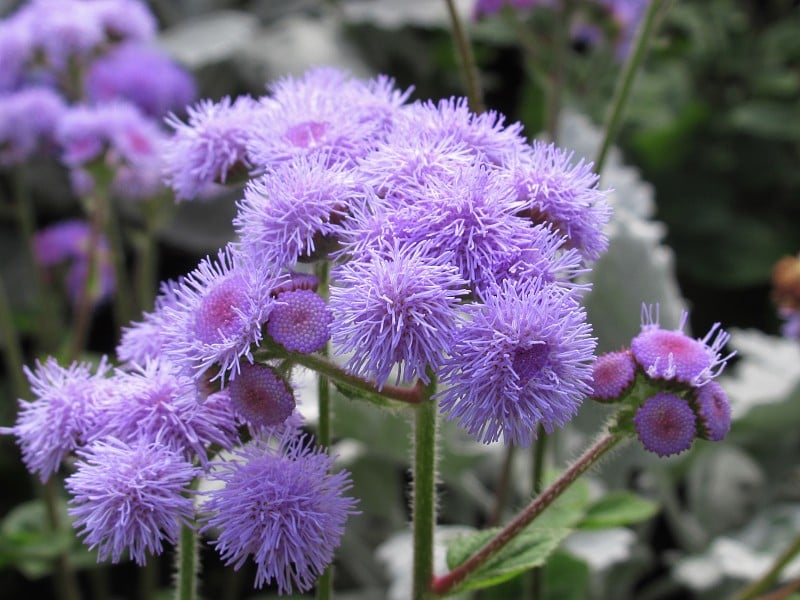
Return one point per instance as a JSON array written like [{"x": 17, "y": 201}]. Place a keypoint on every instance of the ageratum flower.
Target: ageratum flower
[
  {"x": 665, "y": 424},
  {"x": 300, "y": 321},
  {"x": 153, "y": 402},
  {"x": 28, "y": 120},
  {"x": 613, "y": 374},
  {"x": 710, "y": 403},
  {"x": 211, "y": 145},
  {"x": 521, "y": 358},
  {"x": 125, "y": 20},
  {"x": 566, "y": 195},
  {"x": 289, "y": 211},
  {"x": 673, "y": 355},
  {"x": 130, "y": 497},
  {"x": 395, "y": 308},
  {"x": 324, "y": 112},
  {"x": 142, "y": 75},
  {"x": 218, "y": 314},
  {"x": 260, "y": 396},
  {"x": 145, "y": 340},
  {"x": 62, "y": 415},
  {"x": 281, "y": 506}
]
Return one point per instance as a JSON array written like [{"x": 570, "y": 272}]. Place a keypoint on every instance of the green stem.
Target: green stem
[
  {"x": 534, "y": 581},
  {"x": 66, "y": 582},
  {"x": 424, "y": 502},
  {"x": 123, "y": 297},
  {"x": 445, "y": 584},
  {"x": 503, "y": 483},
  {"x": 469, "y": 70},
  {"x": 11, "y": 346},
  {"x": 186, "y": 562},
  {"x": 147, "y": 258},
  {"x": 363, "y": 387},
  {"x": 324, "y": 588},
  {"x": 767, "y": 579},
  {"x": 625, "y": 80}
]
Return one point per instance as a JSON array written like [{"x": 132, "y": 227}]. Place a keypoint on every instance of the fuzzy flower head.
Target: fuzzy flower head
[
  {"x": 395, "y": 308},
  {"x": 144, "y": 340},
  {"x": 125, "y": 20},
  {"x": 673, "y": 355},
  {"x": 324, "y": 112},
  {"x": 564, "y": 194},
  {"x": 142, "y": 75},
  {"x": 130, "y": 497},
  {"x": 713, "y": 411},
  {"x": 613, "y": 374},
  {"x": 28, "y": 120},
  {"x": 209, "y": 146},
  {"x": 521, "y": 358},
  {"x": 284, "y": 508},
  {"x": 62, "y": 415},
  {"x": 219, "y": 312},
  {"x": 153, "y": 402},
  {"x": 288, "y": 212},
  {"x": 300, "y": 321},
  {"x": 260, "y": 396},
  {"x": 665, "y": 424}
]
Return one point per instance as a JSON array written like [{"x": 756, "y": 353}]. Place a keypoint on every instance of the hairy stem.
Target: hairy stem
[
  {"x": 186, "y": 564},
  {"x": 443, "y": 585},
  {"x": 758, "y": 586},
  {"x": 424, "y": 500}
]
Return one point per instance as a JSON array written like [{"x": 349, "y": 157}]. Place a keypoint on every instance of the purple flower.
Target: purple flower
[
  {"x": 713, "y": 411},
  {"x": 565, "y": 195},
  {"x": 116, "y": 132},
  {"x": 612, "y": 374},
  {"x": 322, "y": 113},
  {"x": 125, "y": 20},
  {"x": 284, "y": 508},
  {"x": 665, "y": 424},
  {"x": 625, "y": 16},
  {"x": 64, "y": 32},
  {"x": 260, "y": 396},
  {"x": 154, "y": 403},
  {"x": 146, "y": 339},
  {"x": 16, "y": 48},
  {"x": 211, "y": 145},
  {"x": 396, "y": 308},
  {"x": 130, "y": 497},
  {"x": 61, "y": 417},
  {"x": 673, "y": 355},
  {"x": 520, "y": 359},
  {"x": 142, "y": 75},
  {"x": 289, "y": 211},
  {"x": 68, "y": 241},
  {"x": 300, "y": 321},
  {"x": 218, "y": 313},
  {"x": 485, "y": 134},
  {"x": 28, "y": 120}
]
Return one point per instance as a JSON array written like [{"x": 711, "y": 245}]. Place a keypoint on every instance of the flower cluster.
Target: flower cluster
[{"x": 668, "y": 378}]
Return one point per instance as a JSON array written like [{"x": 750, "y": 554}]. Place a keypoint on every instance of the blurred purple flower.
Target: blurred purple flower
[{"x": 28, "y": 121}]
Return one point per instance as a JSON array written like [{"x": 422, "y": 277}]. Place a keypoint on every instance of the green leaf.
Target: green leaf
[
  {"x": 531, "y": 548},
  {"x": 566, "y": 578},
  {"x": 618, "y": 509}
]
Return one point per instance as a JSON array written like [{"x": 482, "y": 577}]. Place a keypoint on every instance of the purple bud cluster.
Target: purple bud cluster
[{"x": 667, "y": 376}]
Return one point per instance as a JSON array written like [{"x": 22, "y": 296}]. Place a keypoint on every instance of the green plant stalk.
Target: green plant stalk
[
  {"x": 424, "y": 497},
  {"x": 760, "y": 585},
  {"x": 446, "y": 583},
  {"x": 625, "y": 79},
  {"x": 187, "y": 564},
  {"x": 335, "y": 373},
  {"x": 147, "y": 257},
  {"x": 66, "y": 582},
  {"x": 534, "y": 579},
  {"x": 123, "y": 297},
  {"x": 469, "y": 69},
  {"x": 324, "y": 588},
  {"x": 11, "y": 346}
]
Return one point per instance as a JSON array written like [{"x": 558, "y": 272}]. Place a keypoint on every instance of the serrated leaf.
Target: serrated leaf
[
  {"x": 529, "y": 549},
  {"x": 617, "y": 509}
]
